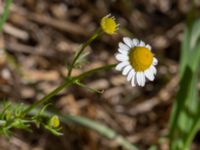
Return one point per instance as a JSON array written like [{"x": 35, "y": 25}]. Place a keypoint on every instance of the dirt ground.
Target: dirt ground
[{"x": 41, "y": 37}]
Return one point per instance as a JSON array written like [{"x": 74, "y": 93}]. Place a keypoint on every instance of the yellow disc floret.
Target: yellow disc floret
[
  {"x": 108, "y": 24},
  {"x": 140, "y": 58}
]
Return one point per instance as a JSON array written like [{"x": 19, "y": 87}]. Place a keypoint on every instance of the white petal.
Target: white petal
[
  {"x": 135, "y": 42},
  {"x": 142, "y": 44},
  {"x": 121, "y": 65},
  {"x": 128, "y": 41},
  {"x": 123, "y": 46},
  {"x": 133, "y": 80},
  {"x": 140, "y": 78},
  {"x": 153, "y": 70},
  {"x": 126, "y": 70},
  {"x": 148, "y": 46},
  {"x": 155, "y": 61},
  {"x": 143, "y": 79},
  {"x": 131, "y": 74},
  {"x": 108, "y": 15},
  {"x": 149, "y": 74},
  {"x": 124, "y": 52},
  {"x": 121, "y": 57}
]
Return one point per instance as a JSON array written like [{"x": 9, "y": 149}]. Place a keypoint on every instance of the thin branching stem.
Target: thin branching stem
[
  {"x": 84, "y": 45},
  {"x": 67, "y": 83}
]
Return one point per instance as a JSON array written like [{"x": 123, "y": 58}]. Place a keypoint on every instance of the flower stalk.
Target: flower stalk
[{"x": 84, "y": 45}]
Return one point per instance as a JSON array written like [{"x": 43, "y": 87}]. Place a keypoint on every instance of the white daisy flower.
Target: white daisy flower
[{"x": 137, "y": 62}]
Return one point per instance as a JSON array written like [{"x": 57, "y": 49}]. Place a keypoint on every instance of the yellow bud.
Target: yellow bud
[
  {"x": 109, "y": 25},
  {"x": 54, "y": 121}
]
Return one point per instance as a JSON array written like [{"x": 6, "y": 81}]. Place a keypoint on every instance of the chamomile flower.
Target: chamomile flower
[
  {"x": 137, "y": 62},
  {"x": 109, "y": 24}
]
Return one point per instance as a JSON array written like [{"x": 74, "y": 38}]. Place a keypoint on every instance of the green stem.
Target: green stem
[
  {"x": 107, "y": 67},
  {"x": 48, "y": 96},
  {"x": 67, "y": 83},
  {"x": 5, "y": 13},
  {"x": 84, "y": 45}
]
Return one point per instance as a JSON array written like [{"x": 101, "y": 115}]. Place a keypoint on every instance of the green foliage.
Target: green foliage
[
  {"x": 12, "y": 117},
  {"x": 5, "y": 14},
  {"x": 185, "y": 119},
  {"x": 82, "y": 59}
]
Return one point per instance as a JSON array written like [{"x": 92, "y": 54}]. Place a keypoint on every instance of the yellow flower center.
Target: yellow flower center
[
  {"x": 108, "y": 25},
  {"x": 140, "y": 58}
]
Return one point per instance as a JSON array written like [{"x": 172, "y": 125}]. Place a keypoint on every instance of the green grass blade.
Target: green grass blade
[
  {"x": 5, "y": 13},
  {"x": 91, "y": 124}
]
